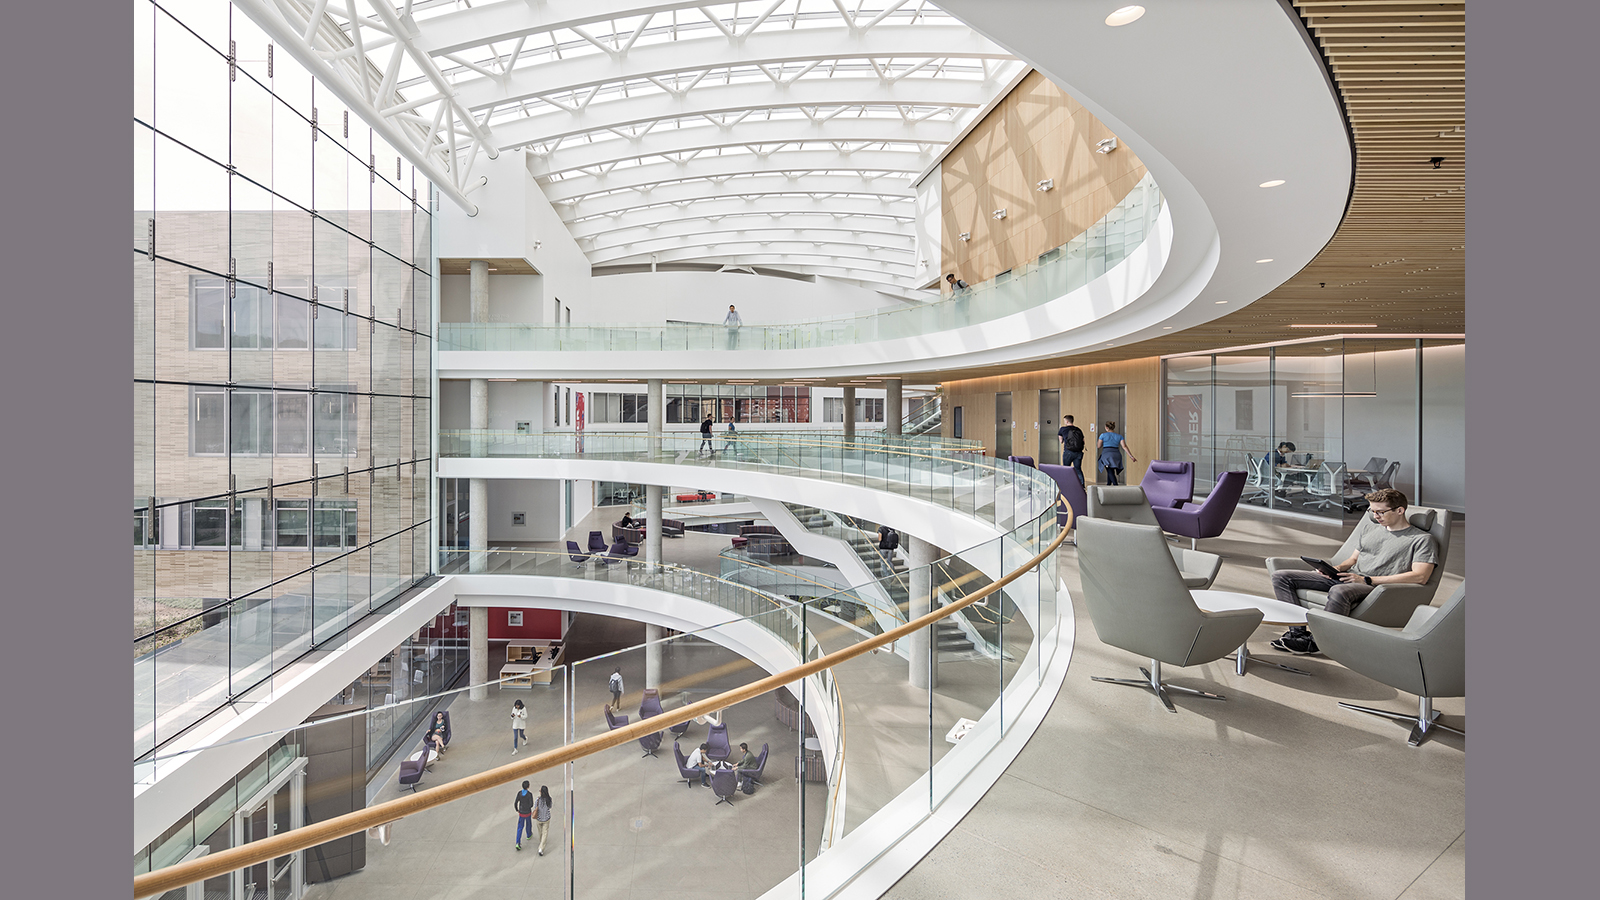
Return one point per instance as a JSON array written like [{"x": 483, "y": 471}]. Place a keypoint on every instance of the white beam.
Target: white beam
[
  {"x": 899, "y": 165},
  {"x": 775, "y": 208},
  {"x": 882, "y": 232},
  {"x": 688, "y": 192},
  {"x": 722, "y": 249}
]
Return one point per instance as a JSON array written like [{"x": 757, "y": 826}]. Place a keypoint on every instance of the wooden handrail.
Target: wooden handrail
[{"x": 211, "y": 865}]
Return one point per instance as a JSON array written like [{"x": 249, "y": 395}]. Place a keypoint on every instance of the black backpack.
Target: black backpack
[{"x": 1074, "y": 439}]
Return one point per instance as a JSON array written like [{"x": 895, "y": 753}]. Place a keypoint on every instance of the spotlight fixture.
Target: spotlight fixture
[
  {"x": 1273, "y": 183},
  {"x": 1045, "y": 185},
  {"x": 1438, "y": 162},
  {"x": 1105, "y": 146},
  {"x": 1124, "y": 16},
  {"x": 966, "y": 235},
  {"x": 998, "y": 214}
]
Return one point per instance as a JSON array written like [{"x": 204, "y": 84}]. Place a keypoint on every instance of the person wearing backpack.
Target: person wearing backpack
[
  {"x": 523, "y": 804},
  {"x": 1071, "y": 437},
  {"x": 615, "y": 684}
]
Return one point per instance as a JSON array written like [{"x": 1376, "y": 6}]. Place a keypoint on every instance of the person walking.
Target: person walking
[
  {"x": 1112, "y": 447},
  {"x": 523, "y": 804},
  {"x": 519, "y": 725},
  {"x": 616, "y": 688},
  {"x": 1071, "y": 437},
  {"x": 705, "y": 437},
  {"x": 733, "y": 435},
  {"x": 541, "y": 815},
  {"x": 733, "y": 322}
]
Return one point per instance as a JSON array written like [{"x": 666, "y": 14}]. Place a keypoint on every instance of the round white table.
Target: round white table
[{"x": 1273, "y": 612}]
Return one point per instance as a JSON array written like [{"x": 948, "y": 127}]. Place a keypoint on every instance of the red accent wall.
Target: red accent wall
[{"x": 537, "y": 624}]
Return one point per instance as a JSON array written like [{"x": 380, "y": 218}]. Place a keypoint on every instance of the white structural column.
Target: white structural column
[
  {"x": 891, "y": 406},
  {"x": 654, "y": 413},
  {"x": 924, "y": 645},
  {"x": 478, "y": 653},
  {"x": 849, "y": 413},
  {"x": 478, "y": 488},
  {"x": 652, "y": 655}
]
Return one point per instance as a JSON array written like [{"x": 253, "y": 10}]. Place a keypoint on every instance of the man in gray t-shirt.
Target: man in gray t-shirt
[{"x": 1389, "y": 550}]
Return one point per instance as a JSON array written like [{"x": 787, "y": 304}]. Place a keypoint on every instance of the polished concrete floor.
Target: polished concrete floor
[{"x": 1276, "y": 793}]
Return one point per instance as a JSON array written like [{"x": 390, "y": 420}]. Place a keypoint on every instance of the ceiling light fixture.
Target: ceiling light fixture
[
  {"x": 966, "y": 235},
  {"x": 1124, "y": 16},
  {"x": 1106, "y": 145},
  {"x": 1333, "y": 326},
  {"x": 998, "y": 214},
  {"x": 1273, "y": 183},
  {"x": 1267, "y": 260},
  {"x": 1220, "y": 302},
  {"x": 1045, "y": 185}
]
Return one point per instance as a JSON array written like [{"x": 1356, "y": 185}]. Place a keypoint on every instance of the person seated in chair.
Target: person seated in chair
[
  {"x": 1389, "y": 550},
  {"x": 1280, "y": 456},
  {"x": 436, "y": 731},
  {"x": 628, "y": 521},
  {"x": 699, "y": 762},
  {"x": 747, "y": 760}
]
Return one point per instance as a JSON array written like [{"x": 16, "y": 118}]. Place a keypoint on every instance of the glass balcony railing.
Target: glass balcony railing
[
  {"x": 1054, "y": 274},
  {"x": 836, "y": 741}
]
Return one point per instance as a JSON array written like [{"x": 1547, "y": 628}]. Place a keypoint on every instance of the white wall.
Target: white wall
[
  {"x": 540, "y": 499},
  {"x": 510, "y": 402},
  {"x": 654, "y": 297},
  {"x": 928, "y": 225},
  {"x": 512, "y": 298}
]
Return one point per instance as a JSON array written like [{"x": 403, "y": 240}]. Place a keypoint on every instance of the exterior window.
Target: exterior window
[
  {"x": 251, "y": 423},
  {"x": 334, "y": 426},
  {"x": 289, "y": 424},
  {"x": 210, "y": 519},
  {"x": 335, "y": 522},
  {"x": 210, "y": 417},
  {"x": 260, "y": 320},
  {"x": 146, "y": 527},
  {"x": 291, "y": 524},
  {"x": 267, "y": 423},
  {"x": 833, "y": 409}
]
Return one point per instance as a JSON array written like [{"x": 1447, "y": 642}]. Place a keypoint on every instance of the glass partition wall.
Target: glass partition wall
[{"x": 1317, "y": 423}]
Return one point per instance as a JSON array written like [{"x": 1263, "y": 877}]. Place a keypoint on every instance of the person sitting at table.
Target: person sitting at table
[
  {"x": 1280, "y": 456},
  {"x": 1389, "y": 550},
  {"x": 699, "y": 762},
  {"x": 747, "y": 760}
]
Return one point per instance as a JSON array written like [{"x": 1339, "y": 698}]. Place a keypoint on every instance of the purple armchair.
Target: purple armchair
[
  {"x": 1207, "y": 519},
  {"x": 1066, "y": 478},
  {"x": 1168, "y": 484},
  {"x": 411, "y": 770},
  {"x": 1024, "y": 460},
  {"x": 718, "y": 741}
]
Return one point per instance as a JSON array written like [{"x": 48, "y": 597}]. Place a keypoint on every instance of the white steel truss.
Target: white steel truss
[{"x": 650, "y": 124}]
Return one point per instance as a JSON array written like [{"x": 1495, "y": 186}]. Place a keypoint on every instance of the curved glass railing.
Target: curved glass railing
[
  {"x": 1054, "y": 274},
  {"x": 994, "y": 491},
  {"x": 821, "y": 784},
  {"x": 817, "y": 788}
]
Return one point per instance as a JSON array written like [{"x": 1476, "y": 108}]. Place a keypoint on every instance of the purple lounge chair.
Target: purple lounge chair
[
  {"x": 1208, "y": 519},
  {"x": 718, "y": 742},
  {"x": 597, "y": 542},
  {"x": 725, "y": 784},
  {"x": 1168, "y": 484},
  {"x": 1067, "y": 480},
  {"x": 411, "y": 770},
  {"x": 1024, "y": 460},
  {"x": 691, "y": 777}
]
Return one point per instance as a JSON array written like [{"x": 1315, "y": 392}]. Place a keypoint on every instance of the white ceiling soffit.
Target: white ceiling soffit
[
  {"x": 1216, "y": 98},
  {"x": 780, "y": 106}
]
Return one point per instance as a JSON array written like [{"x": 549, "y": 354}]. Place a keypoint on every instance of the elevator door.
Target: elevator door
[
  {"x": 1110, "y": 405},
  {"x": 1049, "y": 421},
  {"x": 1002, "y": 425}
]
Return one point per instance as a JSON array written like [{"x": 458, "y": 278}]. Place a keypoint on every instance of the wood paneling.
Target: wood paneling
[
  {"x": 1035, "y": 132},
  {"x": 455, "y": 266},
  {"x": 1077, "y": 386}
]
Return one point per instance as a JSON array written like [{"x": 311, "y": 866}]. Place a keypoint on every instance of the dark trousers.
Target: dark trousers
[
  {"x": 1074, "y": 458},
  {"x": 524, "y": 823},
  {"x": 1342, "y": 598},
  {"x": 1114, "y": 476}
]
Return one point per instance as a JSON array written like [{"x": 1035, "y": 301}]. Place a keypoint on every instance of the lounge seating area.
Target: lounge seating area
[{"x": 634, "y": 534}]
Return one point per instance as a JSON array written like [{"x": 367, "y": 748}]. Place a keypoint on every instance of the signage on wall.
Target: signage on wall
[{"x": 514, "y": 618}]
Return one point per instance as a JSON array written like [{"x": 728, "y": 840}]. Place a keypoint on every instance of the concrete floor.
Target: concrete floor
[{"x": 1274, "y": 793}]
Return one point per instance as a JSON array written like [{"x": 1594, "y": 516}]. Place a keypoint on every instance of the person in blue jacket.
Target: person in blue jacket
[{"x": 1113, "y": 447}]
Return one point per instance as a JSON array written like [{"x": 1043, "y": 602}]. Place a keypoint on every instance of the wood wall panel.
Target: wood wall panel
[
  {"x": 1036, "y": 132},
  {"x": 1077, "y": 385}
]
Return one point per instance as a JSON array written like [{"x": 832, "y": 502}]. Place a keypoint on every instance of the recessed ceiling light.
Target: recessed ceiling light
[
  {"x": 1220, "y": 302},
  {"x": 1125, "y": 15},
  {"x": 1267, "y": 260},
  {"x": 1166, "y": 328},
  {"x": 1333, "y": 326},
  {"x": 1274, "y": 183}
]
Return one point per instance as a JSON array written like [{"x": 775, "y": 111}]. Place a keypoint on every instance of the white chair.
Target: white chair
[{"x": 1328, "y": 486}]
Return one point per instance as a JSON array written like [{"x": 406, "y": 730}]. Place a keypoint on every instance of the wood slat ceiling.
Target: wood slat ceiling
[
  {"x": 1398, "y": 260},
  {"x": 456, "y": 266}
]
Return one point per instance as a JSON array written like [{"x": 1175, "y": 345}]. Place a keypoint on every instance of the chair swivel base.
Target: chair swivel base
[
  {"x": 721, "y": 800},
  {"x": 1152, "y": 682},
  {"x": 1243, "y": 658},
  {"x": 1422, "y": 724}
]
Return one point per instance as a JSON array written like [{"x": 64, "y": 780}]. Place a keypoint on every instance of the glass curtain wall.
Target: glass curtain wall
[
  {"x": 282, "y": 299},
  {"x": 1317, "y": 424}
]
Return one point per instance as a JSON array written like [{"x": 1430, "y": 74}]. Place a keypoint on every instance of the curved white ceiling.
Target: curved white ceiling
[{"x": 615, "y": 99}]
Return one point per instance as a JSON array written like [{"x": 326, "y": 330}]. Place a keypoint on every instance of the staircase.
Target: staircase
[{"x": 925, "y": 420}]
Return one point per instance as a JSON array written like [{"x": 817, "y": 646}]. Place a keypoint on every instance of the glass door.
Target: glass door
[{"x": 277, "y": 808}]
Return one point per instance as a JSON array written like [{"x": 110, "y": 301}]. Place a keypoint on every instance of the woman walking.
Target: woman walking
[
  {"x": 541, "y": 815},
  {"x": 1112, "y": 447},
  {"x": 519, "y": 725}
]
